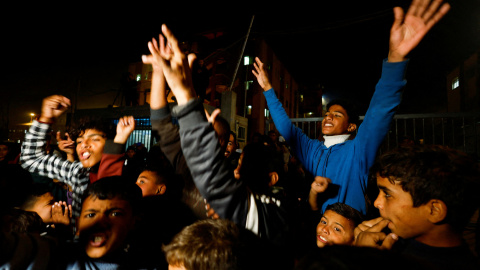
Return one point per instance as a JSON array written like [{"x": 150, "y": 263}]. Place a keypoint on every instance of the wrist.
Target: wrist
[
  {"x": 45, "y": 120},
  {"x": 395, "y": 57}
]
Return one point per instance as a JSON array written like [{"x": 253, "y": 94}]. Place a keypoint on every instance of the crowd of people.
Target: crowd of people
[{"x": 195, "y": 200}]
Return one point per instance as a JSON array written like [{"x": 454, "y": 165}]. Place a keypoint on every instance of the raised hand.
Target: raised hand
[
  {"x": 408, "y": 30},
  {"x": 369, "y": 234},
  {"x": 176, "y": 66},
  {"x": 319, "y": 185},
  {"x": 261, "y": 75},
  {"x": 53, "y": 107},
  {"x": 125, "y": 127},
  {"x": 61, "y": 213}
]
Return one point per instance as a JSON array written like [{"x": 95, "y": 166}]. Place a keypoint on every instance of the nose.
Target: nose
[
  {"x": 378, "y": 203},
  {"x": 85, "y": 144},
  {"x": 325, "y": 230}
]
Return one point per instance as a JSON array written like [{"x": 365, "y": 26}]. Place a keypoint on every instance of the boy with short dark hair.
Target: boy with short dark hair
[
  {"x": 427, "y": 196},
  {"x": 337, "y": 225}
]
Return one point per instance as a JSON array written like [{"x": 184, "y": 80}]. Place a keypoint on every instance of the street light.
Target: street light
[{"x": 31, "y": 117}]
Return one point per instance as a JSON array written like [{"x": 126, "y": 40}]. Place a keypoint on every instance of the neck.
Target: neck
[
  {"x": 335, "y": 139},
  {"x": 441, "y": 236}
]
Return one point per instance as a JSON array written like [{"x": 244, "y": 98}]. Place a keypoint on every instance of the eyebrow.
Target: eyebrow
[
  {"x": 384, "y": 188},
  {"x": 334, "y": 222},
  {"x": 92, "y": 135}
]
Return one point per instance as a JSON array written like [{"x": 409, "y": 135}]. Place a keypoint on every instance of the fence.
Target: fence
[{"x": 456, "y": 130}]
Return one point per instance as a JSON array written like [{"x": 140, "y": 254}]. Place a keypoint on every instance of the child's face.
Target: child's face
[
  {"x": 90, "y": 146},
  {"x": 334, "y": 229},
  {"x": 104, "y": 225},
  {"x": 43, "y": 207},
  {"x": 147, "y": 181},
  {"x": 335, "y": 121},
  {"x": 3, "y": 151},
  {"x": 230, "y": 146},
  {"x": 396, "y": 205}
]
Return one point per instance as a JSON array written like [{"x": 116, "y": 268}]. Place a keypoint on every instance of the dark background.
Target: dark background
[{"x": 339, "y": 46}]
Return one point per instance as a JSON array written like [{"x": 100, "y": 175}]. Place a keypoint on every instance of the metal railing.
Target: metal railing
[{"x": 460, "y": 131}]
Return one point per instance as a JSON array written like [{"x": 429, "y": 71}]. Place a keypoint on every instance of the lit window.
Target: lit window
[
  {"x": 301, "y": 98},
  {"x": 249, "y": 109},
  {"x": 455, "y": 83},
  {"x": 267, "y": 113},
  {"x": 246, "y": 60},
  {"x": 139, "y": 77}
]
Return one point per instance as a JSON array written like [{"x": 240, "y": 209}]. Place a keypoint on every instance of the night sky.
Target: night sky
[{"x": 339, "y": 46}]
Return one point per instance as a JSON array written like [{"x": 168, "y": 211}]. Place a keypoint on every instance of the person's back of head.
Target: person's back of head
[
  {"x": 218, "y": 244},
  {"x": 429, "y": 172},
  {"x": 21, "y": 221},
  {"x": 260, "y": 164}
]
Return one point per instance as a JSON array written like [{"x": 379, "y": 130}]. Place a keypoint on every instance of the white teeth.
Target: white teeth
[
  {"x": 86, "y": 154},
  {"x": 328, "y": 125},
  {"x": 323, "y": 238},
  {"x": 98, "y": 239}
]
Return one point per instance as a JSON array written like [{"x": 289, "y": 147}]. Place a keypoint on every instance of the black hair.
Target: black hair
[
  {"x": 34, "y": 191},
  {"x": 434, "y": 172},
  {"x": 350, "y": 107},
  {"x": 92, "y": 122},
  {"x": 21, "y": 221},
  {"x": 111, "y": 187},
  {"x": 258, "y": 161},
  {"x": 347, "y": 212}
]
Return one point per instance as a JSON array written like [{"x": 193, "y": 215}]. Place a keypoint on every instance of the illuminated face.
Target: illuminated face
[
  {"x": 90, "y": 146},
  {"x": 147, "y": 181},
  {"x": 104, "y": 225},
  {"x": 396, "y": 205},
  {"x": 334, "y": 229},
  {"x": 3, "y": 151},
  {"x": 231, "y": 147},
  {"x": 335, "y": 121},
  {"x": 43, "y": 207}
]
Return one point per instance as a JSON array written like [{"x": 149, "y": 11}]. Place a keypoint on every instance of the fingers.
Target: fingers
[
  {"x": 398, "y": 17},
  {"x": 438, "y": 15},
  {"x": 389, "y": 241},
  {"x": 58, "y": 137},
  {"x": 172, "y": 40},
  {"x": 191, "y": 59},
  {"x": 211, "y": 118}
]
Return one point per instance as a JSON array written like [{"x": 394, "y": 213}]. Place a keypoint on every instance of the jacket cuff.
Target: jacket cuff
[
  {"x": 159, "y": 113},
  {"x": 388, "y": 68}
]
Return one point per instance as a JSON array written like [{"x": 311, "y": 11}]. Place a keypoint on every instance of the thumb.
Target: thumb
[
  {"x": 389, "y": 241},
  {"x": 191, "y": 58}
]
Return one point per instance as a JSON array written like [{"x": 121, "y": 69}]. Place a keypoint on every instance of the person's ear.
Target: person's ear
[
  {"x": 351, "y": 127},
  {"x": 273, "y": 178},
  {"x": 438, "y": 211},
  {"x": 161, "y": 190}
]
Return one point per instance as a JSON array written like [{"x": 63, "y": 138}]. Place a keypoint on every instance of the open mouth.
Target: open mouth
[
  {"x": 328, "y": 125},
  {"x": 97, "y": 240},
  {"x": 322, "y": 239},
  {"x": 85, "y": 155}
]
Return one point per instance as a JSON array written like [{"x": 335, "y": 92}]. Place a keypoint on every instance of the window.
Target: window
[
  {"x": 267, "y": 113},
  {"x": 139, "y": 77},
  {"x": 246, "y": 61},
  {"x": 249, "y": 109},
  {"x": 455, "y": 83}
]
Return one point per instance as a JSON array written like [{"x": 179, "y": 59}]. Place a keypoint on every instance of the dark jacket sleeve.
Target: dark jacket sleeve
[{"x": 208, "y": 166}]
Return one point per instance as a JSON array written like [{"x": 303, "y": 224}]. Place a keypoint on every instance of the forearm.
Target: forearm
[
  {"x": 312, "y": 200},
  {"x": 158, "y": 90},
  {"x": 208, "y": 167}
]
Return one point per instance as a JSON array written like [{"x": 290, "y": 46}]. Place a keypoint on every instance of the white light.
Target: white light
[
  {"x": 139, "y": 77},
  {"x": 246, "y": 60}
]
